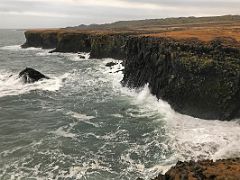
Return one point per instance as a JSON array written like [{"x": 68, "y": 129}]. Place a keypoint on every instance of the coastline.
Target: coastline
[
  {"x": 183, "y": 72},
  {"x": 197, "y": 78}
]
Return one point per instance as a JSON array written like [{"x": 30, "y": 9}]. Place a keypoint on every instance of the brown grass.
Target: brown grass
[{"x": 203, "y": 34}]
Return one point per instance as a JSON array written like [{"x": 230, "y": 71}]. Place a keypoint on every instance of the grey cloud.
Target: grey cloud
[{"x": 62, "y": 13}]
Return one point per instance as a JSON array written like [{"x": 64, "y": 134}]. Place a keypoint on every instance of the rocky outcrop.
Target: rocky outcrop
[
  {"x": 43, "y": 39},
  {"x": 204, "y": 170},
  {"x": 99, "y": 45},
  {"x": 30, "y": 75},
  {"x": 73, "y": 42},
  {"x": 108, "y": 46},
  {"x": 196, "y": 78}
]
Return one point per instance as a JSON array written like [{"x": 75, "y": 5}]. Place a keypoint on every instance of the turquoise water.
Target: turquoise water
[{"x": 82, "y": 124}]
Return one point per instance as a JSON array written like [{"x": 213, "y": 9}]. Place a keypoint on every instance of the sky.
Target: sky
[{"x": 62, "y": 13}]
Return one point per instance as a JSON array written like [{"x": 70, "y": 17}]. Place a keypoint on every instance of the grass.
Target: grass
[{"x": 204, "y": 28}]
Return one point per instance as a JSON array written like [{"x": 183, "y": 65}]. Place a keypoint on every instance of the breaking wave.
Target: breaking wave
[
  {"x": 19, "y": 48},
  {"x": 70, "y": 56},
  {"x": 190, "y": 138}
]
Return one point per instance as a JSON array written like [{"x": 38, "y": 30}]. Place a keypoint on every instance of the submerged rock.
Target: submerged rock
[
  {"x": 30, "y": 75},
  {"x": 81, "y": 56},
  {"x": 110, "y": 64}
]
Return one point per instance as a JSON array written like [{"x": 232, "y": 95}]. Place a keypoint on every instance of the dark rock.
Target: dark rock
[
  {"x": 30, "y": 75},
  {"x": 46, "y": 39},
  {"x": 74, "y": 42},
  {"x": 118, "y": 71},
  {"x": 190, "y": 76},
  {"x": 110, "y": 64},
  {"x": 81, "y": 57},
  {"x": 201, "y": 170},
  {"x": 108, "y": 46}
]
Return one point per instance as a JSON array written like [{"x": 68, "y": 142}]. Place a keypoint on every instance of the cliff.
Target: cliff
[
  {"x": 199, "y": 78},
  {"x": 196, "y": 70},
  {"x": 209, "y": 170},
  {"x": 100, "y": 45}
]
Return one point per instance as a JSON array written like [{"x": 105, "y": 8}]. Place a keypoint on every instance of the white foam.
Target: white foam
[
  {"x": 118, "y": 115},
  {"x": 70, "y": 56},
  {"x": 79, "y": 172},
  {"x": 114, "y": 70},
  {"x": 83, "y": 118},
  {"x": 191, "y": 138},
  {"x": 64, "y": 133},
  {"x": 19, "y": 48},
  {"x": 10, "y": 84}
]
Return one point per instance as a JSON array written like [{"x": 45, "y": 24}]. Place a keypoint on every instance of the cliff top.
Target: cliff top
[{"x": 204, "y": 29}]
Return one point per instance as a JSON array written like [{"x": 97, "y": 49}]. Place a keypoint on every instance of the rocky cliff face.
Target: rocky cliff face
[
  {"x": 198, "y": 79},
  {"x": 47, "y": 39},
  {"x": 73, "y": 42},
  {"x": 108, "y": 46},
  {"x": 99, "y": 45}
]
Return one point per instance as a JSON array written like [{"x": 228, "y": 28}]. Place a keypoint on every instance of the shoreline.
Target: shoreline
[{"x": 198, "y": 78}]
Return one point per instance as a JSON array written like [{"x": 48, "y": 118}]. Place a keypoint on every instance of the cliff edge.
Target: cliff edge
[
  {"x": 194, "y": 67},
  {"x": 197, "y": 73}
]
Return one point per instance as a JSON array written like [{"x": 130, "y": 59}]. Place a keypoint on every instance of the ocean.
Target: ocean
[{"x": 82, "y": 124}]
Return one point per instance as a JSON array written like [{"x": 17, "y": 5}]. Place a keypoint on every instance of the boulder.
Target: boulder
[{"x": 30, "y": 75}]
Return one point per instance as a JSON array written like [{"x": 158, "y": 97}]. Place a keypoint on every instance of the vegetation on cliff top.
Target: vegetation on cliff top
[{"x": 203, "y": 29}]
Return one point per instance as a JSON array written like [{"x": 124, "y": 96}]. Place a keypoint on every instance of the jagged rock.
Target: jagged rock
[
  {"x": 204, "y": 170},
  {"x": 30, "y": 75},
  {"x": 197, "y": 79}
]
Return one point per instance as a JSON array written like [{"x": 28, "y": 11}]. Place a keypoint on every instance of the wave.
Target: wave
[
  {"x": 46, "y": 52},
  {"x": 189, "y": 138},
  {"x": 66, "y": 130},
  {"x": 10, "y": 84},
  {"x": 71, "y": 56},
  {"x": 19, "y": 48}
]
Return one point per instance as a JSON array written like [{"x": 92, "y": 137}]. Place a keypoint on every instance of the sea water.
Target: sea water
[{"x": 82, "y": 124}]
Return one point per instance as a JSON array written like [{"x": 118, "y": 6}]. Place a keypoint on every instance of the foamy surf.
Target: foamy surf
[
  {"x": 11, "y": 84},
  {"x": 82, "y": 118},
  {"x": 19, "y": 48},
  {"x": 191, "y": 138},
  {"x": 66, "y": 131},
  {"x": 70, "y": 56}
]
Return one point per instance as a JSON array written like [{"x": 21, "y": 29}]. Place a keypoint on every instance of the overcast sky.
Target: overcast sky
[{"x": 62, "y": 13}]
